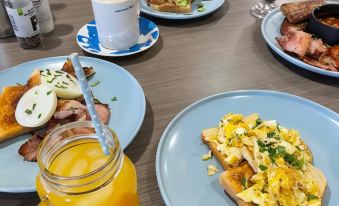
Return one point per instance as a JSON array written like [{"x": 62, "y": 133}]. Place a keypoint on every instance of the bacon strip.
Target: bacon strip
[{"x": 297, "y": 42}]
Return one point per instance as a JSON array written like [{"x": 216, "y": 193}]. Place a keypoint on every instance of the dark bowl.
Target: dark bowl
[{"x": 327, "y": 33}]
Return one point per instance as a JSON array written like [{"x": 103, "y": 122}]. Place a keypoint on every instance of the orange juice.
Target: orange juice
[{"x": 79, "y": 174}]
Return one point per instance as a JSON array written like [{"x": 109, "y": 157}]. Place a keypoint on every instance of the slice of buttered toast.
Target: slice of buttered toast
[
  {"x": 9, "y": 98},
  {"x": 170, "y": 6},
  {"x": 232, "y": 180}
]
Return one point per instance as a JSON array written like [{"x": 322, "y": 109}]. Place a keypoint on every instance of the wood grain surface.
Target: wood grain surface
[{"x": 193, "y": 59}]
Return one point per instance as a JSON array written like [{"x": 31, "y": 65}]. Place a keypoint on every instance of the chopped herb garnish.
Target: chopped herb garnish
[
  {"x": 312, "y": 197},
  {"x": 69, "y": 77},
  {"x": 278, "y": 127},
  {"x": 60, "y": 86},
  {"x": 57, "y": 75},
  {"x": 39, "y": 116},
  {"x": 28, "y": 111},
  {"x": 36, "y": 92},
  {"x": 263, "y": 167},
  {"x": 50, "y": 81},
  {"x": 114, "y": 99},
  {"x": 244, "y": 182},
  {"x": 19, "y": 84},
  {"x": 59, "y": 72},
  {"x": 258, "y": 122},
  {"x": 273, "y": 135},
  {"x": 201, "y": 8},
  {"x": 95, "y": 83},
  {"x": 65, "y": 83},
  {"x": 48, "y": 72},
  {"x": 34, "y": 105},
  {"x": 49, "y": 92}
]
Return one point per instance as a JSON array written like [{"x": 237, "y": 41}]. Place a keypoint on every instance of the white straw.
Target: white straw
[{"x": 89, "y": 102}]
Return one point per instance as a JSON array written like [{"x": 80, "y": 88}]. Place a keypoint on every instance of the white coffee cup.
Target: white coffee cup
[{"x": 117, "y": 23}]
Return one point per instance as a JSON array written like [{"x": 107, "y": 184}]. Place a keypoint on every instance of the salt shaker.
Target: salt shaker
[
  {"x": 5, "y": 26},
  {"x": 24, "y": 22}
]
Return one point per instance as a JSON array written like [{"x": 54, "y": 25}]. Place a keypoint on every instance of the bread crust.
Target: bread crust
[
  {"x": 9, "y": 99},
  {"x": 213, "y": 147},
  {"x": 230, "y": 180}
]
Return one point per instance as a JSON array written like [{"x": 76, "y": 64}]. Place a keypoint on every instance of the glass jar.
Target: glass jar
[
  {"x": 74, "y": 170},
  {"x": 24, "y": 22}
]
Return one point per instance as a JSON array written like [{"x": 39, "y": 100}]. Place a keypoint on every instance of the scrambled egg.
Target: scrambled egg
[
  {"x": 211, "y": 170},
  {"x": 281, "y": 157}
]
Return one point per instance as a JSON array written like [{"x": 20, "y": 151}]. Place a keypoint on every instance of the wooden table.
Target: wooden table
[{"x": 222, "y": 52}]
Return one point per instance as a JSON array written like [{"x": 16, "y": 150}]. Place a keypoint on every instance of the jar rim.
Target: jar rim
[{"x": 114, "y": 150}]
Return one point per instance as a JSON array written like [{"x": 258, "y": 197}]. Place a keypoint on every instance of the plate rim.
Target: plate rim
[
  {"x": 287, "y": 57},
  {"x": 174, "y": 16},
  {"x": 161, "y": 185},
  {"x": 56, "y": 58},
  {"x": 119, "y": 55}
]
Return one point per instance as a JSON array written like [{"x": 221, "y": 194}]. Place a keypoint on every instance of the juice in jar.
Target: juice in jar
[{"x": 92, "y": 177}]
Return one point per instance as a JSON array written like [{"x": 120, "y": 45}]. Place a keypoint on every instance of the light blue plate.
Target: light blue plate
[
  {"x": 127, "y": 114},
  {"x": 270, "y": 29},
  {"x": 87, "y": 39},
  {"x": 182, "y": 175},
  {"x": 209, "y": 5}
]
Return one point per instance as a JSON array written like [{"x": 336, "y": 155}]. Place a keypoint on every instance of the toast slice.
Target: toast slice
[
  {"x": 231, "y": 181},
  {"x": 9, "y": 98},
  {"x": 171, "y": 6},
  {"x": 213, "y": 146}
]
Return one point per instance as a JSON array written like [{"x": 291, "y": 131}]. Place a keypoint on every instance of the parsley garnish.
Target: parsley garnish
[
  {"x": 48, "y": 72},
  {"x": 244, "y": 182},
  {"x": 65, "y": 83},
  {"x": 36, "y": 92},
  {"x": 114, "y": 99},
  {"x": 59, "y": 72},
  {"x": 201, "y": 8},
  {"x": 60, "y": 86},
  {"x": 273, "y": 135},
  {"x": 312, "y": 197},
  {"x": 95, "y": 83},
  {"x": 257, "y": 122},
  {"x": 263, "y": 167},
  {"x": 39, "y": 116},
  {"x": 50, "y": 81},
  {"x": 28, "y": 111},
  {"x": 49, "y": 92},
  {"x": 34, "y": 105}
]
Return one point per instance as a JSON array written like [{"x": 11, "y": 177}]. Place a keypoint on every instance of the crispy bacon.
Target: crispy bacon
[
  {"x": 297, "y": 42},
  {"x": 317, "y": 63},
  {"x": 67, "y": 111},
  {"x": 300, "y": 11},
  {"x": 29, "y": 149},
  {"x": 67, "y": 108},
  {"x": 287, "y": 27},
  {"x": 316, "y": 49}
]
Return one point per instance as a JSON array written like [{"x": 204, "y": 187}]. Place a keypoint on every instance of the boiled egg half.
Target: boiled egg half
[
  {"x": 63, "y": 84},
  {"x": 36, "y": 106}
]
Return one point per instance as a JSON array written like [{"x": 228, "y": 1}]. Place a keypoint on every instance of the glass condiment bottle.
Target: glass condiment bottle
[
  {"x": 24, "y": 22},
  {"x": 44, "y": 16},
  {"x": 74, "y": 170},
  {"x": 5, "y": 26}
]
